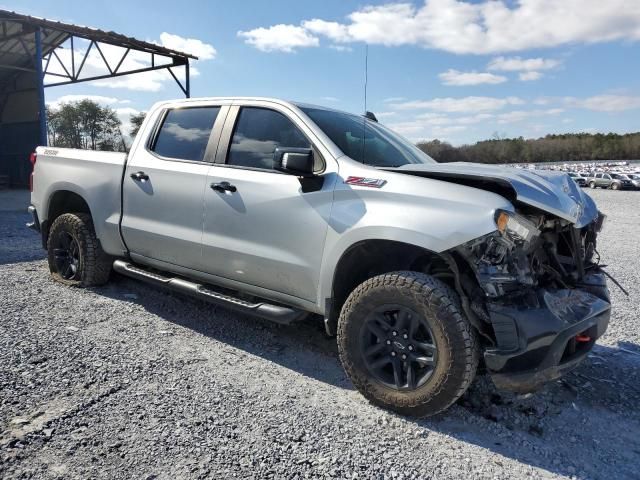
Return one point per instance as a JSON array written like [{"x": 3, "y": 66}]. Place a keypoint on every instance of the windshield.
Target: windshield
[{"x": 365, "y": 141}]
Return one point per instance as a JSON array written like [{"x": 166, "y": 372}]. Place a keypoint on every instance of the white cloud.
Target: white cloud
[
  {"x": 529, "y": 76},
  {"x": 458, "y": 26},
  {"x": 542, "y": 101},
  {"x": 434, "y": 119},
  {"x": 456, "y": 78},
  {"x": 283, "y": 38},
  {"x": 439, "y": 119},
  {"x": 103, "y": 100},
  {"x": 478, "y": 118},
  {"x": 334, "y": 30},
  {"x": 420, "y": 129},
  {"x": 126, "y": 111},
  {"x": 464, "y": 104},
  {"x": 330, "y": 99},
  {"x": 386, "y": 114},
  {"x": 124, "y": 114},
  {"x": 196, "y": 47},
  {"x": 520, "y": 115},
  {"x": 145, "y": 81},
  {"x": 605, "y": 103},
  {"x": 516, "y": 64},
  {"x": 394, "y": 99},
  {"x": 185, "y": 134},
  {"x": 341, "y": 48}
]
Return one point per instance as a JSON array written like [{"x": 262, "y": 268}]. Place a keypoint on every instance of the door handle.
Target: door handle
[
  {"x": 140, "y": 176},
  {"x": 223, "y": 187}
]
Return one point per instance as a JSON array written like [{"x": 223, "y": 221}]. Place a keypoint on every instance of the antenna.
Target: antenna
[
  {"x": 366, "y": 74},
  {"x": 366, "y": 79}
]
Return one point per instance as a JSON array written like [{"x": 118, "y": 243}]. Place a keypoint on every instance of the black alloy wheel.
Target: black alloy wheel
[
  {"x": 66, "y": 253},
  {"x": 398, "y": 347}
]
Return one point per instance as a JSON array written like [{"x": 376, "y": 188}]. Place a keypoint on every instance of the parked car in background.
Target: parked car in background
[
  {"x": 579, "y": 179},
  {"x": 614, "y": 181},
  {"x": 635, "y": 179}
]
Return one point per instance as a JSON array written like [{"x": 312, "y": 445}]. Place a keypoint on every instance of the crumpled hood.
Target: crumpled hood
[{"x": 552, "y": 192}]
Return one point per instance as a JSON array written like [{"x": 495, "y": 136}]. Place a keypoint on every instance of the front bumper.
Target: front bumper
[{"x": 538, "y": 344}]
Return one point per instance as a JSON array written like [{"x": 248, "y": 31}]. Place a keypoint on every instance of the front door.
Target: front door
[
  {"x": 268, "y": 228},
  {"x": 164, "y": 185}
]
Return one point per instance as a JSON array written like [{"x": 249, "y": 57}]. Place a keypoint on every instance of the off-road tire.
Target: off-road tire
[
  {"x": 94, "y": 265},
  {"x": 456, "y": 341}
]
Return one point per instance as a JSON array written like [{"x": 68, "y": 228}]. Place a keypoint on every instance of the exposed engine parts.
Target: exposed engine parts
[{"x": 531, "y": 251}]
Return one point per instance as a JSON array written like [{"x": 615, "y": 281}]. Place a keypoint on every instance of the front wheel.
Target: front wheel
[
  {"x": 74, "y": 253},
  {"x": 406, "y": 344},
  {"x": 615, "y": 186},
  {"x": 592, "y": 184}
]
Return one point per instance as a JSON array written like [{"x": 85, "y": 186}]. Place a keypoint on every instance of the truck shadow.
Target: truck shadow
[{"x": 589, "y": 419}]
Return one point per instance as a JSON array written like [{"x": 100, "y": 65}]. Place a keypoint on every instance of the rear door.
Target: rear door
[
  {"x": 165, "y": 181},
  {"x": 598, "y": 179},
  {"x": 268, "y": 232}
]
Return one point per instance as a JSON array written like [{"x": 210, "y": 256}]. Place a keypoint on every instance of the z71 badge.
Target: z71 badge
[{"x": 365, "y": 182}]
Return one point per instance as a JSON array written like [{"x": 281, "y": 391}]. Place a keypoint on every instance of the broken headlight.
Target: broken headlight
[{"x": 516, "y": 227}]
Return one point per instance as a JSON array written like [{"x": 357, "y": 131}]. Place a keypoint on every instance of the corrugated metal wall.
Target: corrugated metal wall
[
  {"x": 19, "y": 130},
  {"x": 17, "y": 141}
]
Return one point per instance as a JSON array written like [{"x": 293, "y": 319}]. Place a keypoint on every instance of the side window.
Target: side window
[
  {"x": 184, "y": 133},
  {"x": 598, "y": 175},
  {"x": 606, "y": 176},
  {"x": 258, "y": 132}
]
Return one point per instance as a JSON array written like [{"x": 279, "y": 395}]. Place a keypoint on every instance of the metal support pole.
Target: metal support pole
[
  {"x": 187, "y": 83},
  {"x": 42, "y": 113}
]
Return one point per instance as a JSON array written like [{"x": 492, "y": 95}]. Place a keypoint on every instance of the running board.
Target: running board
[{"x": 275, "y": 313}]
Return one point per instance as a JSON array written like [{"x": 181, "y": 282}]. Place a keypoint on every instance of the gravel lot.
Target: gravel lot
[{"x": 127, "y": 381}]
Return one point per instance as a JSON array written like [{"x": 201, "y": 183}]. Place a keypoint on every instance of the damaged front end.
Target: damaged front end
[{"x": 539, "y": 293}]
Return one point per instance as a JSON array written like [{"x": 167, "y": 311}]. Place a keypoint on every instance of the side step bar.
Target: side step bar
[{"x": 275, "y": 313}]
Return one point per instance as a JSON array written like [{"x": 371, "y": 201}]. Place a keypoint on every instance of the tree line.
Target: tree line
[
  {"x": 568, "y": 147},
  {"x": 87, "y": 124}
]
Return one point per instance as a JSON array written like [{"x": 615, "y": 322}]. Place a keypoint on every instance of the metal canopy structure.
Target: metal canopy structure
[
  {"x": 36, "y": 53},
  {"x": 19, "y": 45}
]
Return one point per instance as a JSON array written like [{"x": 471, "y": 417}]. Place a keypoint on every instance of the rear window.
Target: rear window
[{"x": 184, "y": 133}]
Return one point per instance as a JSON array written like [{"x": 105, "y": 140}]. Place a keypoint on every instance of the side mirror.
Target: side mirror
[{"x": 297, "y": 161}]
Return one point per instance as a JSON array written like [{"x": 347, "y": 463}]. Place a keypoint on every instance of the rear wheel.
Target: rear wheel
[
  {"x": 405, "y": 343},
  {"x": 74, "y": 253}
]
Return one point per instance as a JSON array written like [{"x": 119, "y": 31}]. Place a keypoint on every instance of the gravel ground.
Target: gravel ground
[{"x": 127, "y": 381}]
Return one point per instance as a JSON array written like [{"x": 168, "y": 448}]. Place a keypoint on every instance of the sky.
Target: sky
[{"x": 459, "y": 71}]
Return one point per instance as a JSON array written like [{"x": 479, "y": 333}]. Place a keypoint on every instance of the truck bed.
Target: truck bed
[{"x": 93, "y": 175}]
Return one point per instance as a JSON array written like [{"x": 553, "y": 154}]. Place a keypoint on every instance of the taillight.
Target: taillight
[{"x": 32, "y": 158}]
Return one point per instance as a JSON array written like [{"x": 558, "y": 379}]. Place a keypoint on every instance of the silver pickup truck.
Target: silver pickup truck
[{"x": 291, "y": 212}]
